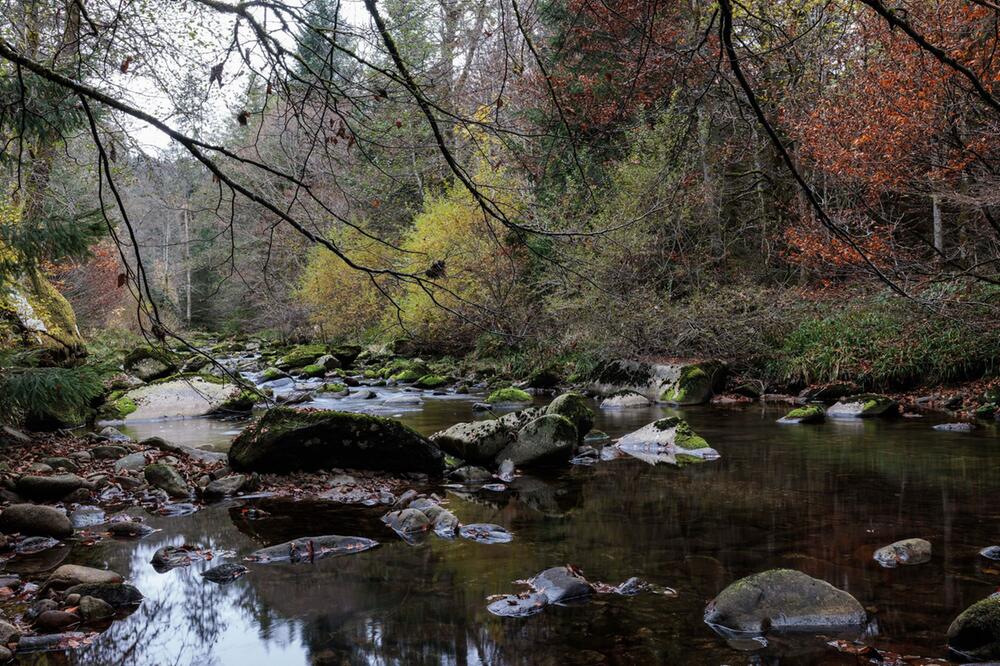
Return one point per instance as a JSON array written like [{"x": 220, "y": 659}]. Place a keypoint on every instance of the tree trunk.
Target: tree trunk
[
  {"x": 938, "y": 227},
  {"x": 187, "y": 266}
]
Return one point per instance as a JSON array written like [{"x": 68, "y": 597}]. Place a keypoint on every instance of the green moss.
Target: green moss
[
  {"x": 509, "y": 394},
  {"x": 686, "y": 438},
  {"x": 695, "y": 384},
  {"x": 181, "y": 376},
  {"x": 125, "y": 406},
  {"x": 806, "y": 414},
  {"x": 431, "y": 381},
  {"x": 370, "y": 374},
  {"x": 243, "y": 402},
  {"x": 408, "y": 375},
  {"x": 301, "y": 356},
  {"x": 312, "y": 371},
  {"x": 986, "y": 411},
  {"x": 332, "y": 387},
  {"x": 272, "y": 373},
  {"x": 574, "y": 407}
]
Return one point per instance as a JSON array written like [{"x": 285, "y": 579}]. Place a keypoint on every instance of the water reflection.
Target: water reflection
[{"x": 819, "y": 499}]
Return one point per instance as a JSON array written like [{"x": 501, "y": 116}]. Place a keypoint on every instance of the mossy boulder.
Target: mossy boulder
[
  {"x": 783, "y": 600},
  {"x": 508, "y": 395},
  {"x": 314, "y": 370},
  {"x": 806, "y": 414},
  {"x": 478, "y": 442},
  {"x": 175, "y": 397},
  {"x": 40, "y": 319},
  {"x": 548, "y": 438},
  {"x": 328, "y": 361},
  {"x": 696, "y": 384},
  {"x": 975, "y": 633},
  {"x": 544, "y": 378},
  {"x": 271, "y": 373},
  {"x": 285, "y": 440},
  {"x": 431, "y": 382},
  {"x": 406, "y": 370},
  {"x": 346, "y": 354},
  {"x": 331, "y": 387},
  {"x": 575, "y": 407},
  {"x": 670, "y": 439},
  {"x": 240, "y": 404},
  {"x": 149, "y": 363},
  {"x": 865, "y": 405},
  {"x": 300, "y": 356}
]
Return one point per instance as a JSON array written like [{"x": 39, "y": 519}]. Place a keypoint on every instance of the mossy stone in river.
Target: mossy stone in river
[
  {"x": 271, "y": 373},
  {"x": 431, "y": 382},
  {"x": 477, "y": 442},
  {"x": 574, "y": 407},
  {"x": 285, "y": 440},
  {"x": 508, "y": 395},
  {"x": 315, "y": 370},
  {"x": 783, "y": 600},
  {"x": 806, "y": 414},
  {"x": 300, "y": 357},
  {"x": 149, "y": 364},
  {"x": 696, "y": 385},
  {"x": 866, "y": 405},
  {"x": 975, "y": 633},
  {"x": 549, "y": 437}
]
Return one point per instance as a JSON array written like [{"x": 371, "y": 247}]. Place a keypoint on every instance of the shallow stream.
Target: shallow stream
[{"x": 815, "y": 498}]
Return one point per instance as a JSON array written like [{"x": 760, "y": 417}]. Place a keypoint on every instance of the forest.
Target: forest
[{"x": 444, "y": 257}]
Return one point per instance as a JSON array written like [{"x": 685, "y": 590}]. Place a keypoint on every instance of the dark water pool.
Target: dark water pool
[{"x": 819, "y": 499}]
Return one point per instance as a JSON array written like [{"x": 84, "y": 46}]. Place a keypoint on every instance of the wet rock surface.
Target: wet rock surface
[
  {"x": 36, "y": 520},
  {"x": 783, "y": 600},
  {"x": 904, "y": 552},
  {"x": 310, "y": 549},
  {"x": 975, "y": 633}
]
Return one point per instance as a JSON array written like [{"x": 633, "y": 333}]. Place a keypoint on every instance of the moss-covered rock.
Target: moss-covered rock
[
  {"x": 548, "y": 438},
  {"x": 866, "y": 405},
  {"x": 300, "y": 356},
  {"x": 805, "y": 414},
  {"x": 477, "y": 442},
  {"x": 668, "y": 437},
  {"x": 346, "y": 354},
  {"x": 240, "y": 404},
  {"x": 783, "y": 600},
  {"x": 575, "y": 407},
  {"x": 33, "y": 314},
  {"x": 286, "y": 440},
  {"x": 975, "y": 633},
  {"x": 271, "y": 373},
  {"x": 431, "y": 382},
  {"x": 696, "y": 385},
  {"x": 508, "y": 395},
  {"x": 332, "y": 387},
  {"x": 315, "y": 370},
  {"x": 544, "y": 378},
  {"x": 149, "y": 363}
]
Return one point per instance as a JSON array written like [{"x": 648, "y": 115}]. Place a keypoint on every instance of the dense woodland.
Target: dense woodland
[{"x": 807, "y": 189}]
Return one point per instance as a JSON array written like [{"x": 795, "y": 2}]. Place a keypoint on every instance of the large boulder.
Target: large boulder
[
  {"x": 477, "y": 442},
  {"x": 546, "y": 438},
  {"x": 286, "y": 440},
  {"x": 301, "y": 356},
  {"x": 148, "y": 363},
  {"x": 35, "y": 520},
  {"x": 561, "y": 584},
  {"x": 179, "y": 398},
  {"x": 667, "y": 440},
  {"x": 69, "y": 575},
  {"x": 117, "y": 595},
  {"x": 696, "y": 384},
  {"x": 576, "y": 408},
  {"x": 865, "y": 405},
  {"x": 784, "y": 600},
  {"x": 975, "y": 633},
  {"x": 41, "y": 319}
]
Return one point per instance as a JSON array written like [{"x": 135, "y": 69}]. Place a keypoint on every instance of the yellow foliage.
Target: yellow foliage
[{"x": 345, "y": 302}]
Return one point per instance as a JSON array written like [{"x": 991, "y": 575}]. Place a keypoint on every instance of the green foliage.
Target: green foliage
[
  {"x": 46, "y": 396},
  {"x": 885, "y": 342}
]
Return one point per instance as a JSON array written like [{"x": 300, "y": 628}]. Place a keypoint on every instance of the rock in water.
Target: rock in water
[
  {"x": 804, "y": 415},
  {"x": 93, "y": 609},
  {"x": 285, "y": 440},
  {"x": 975, "y": 633},
  {"x": 669, "y": 440},
  {"x": 407, "y": 521},
  {"x": 168, "y": 479},
  {"x": 119, "y": 595},
  {"x": 625, "y": 400},
  {"x": 783, "y": 599},
  {"x": 224, "y": 573},
  {"x": 35, "y": 520},
  {"x": 191, "y": 396},
  {"x": 519, "y": 605},
  {"x": 69, "y": 575},
  {"x": 309, "y": 549},
  {"x": 865, "y": 405},
  {"x": 696, "y": 384},
  {"x": 561, "y": 585},
  {"x": 991, "y": 553},
  {"x": 955, "y": 427},
  {"x": 224, "y": 487},
  {"x": 546, "y": 438},
  {"x": 478, "y": 442},
  {"x": 485, "y": 533},
  {"x": 907, "y": 551},
  {"x": 576, "y": 408}
]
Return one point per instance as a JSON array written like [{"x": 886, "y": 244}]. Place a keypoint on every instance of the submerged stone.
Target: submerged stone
[
  {"x": 519, "y": 605},
  {"x": 955, "y": 427},
  {"x": 309, "y": 549},
  {"x": 784, "y": 600},
  {"x": 905, "y": 552},
  {"x": 119, "y": 595},
  {"x": 485, "y": 533},
  {"x": 286, "y": 440},
  {"x": 224, "y": 573},
  {"x": 173, "y": 557}
]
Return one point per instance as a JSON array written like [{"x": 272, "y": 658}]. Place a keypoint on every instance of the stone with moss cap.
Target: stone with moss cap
[
  {"x": 508, "y": 395},
  {"x": 806, "y": 414},
  {"x": 975, "y": 633},
  {"x": 431, "y": 382},
  {"x": 300, "y": 356},
  {"x": 286, "y": 440},
  {"x": 865, "y": 405},
  {"x": 574, "y": 407},
  {"x": 783, "y": 600},
  {"x": 668, "y": 437},
  {"x": 149, "y": 363},
  {"x": 271, "y": 373},
  {"x": 696, "y": 384},
  {"x": 43, "y": 317},
  {"x": 315, "y": 370},
  {"x": 548, "y": 438}
]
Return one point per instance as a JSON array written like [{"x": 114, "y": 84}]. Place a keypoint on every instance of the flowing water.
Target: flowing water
[{"x": 815, "y": 498}]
